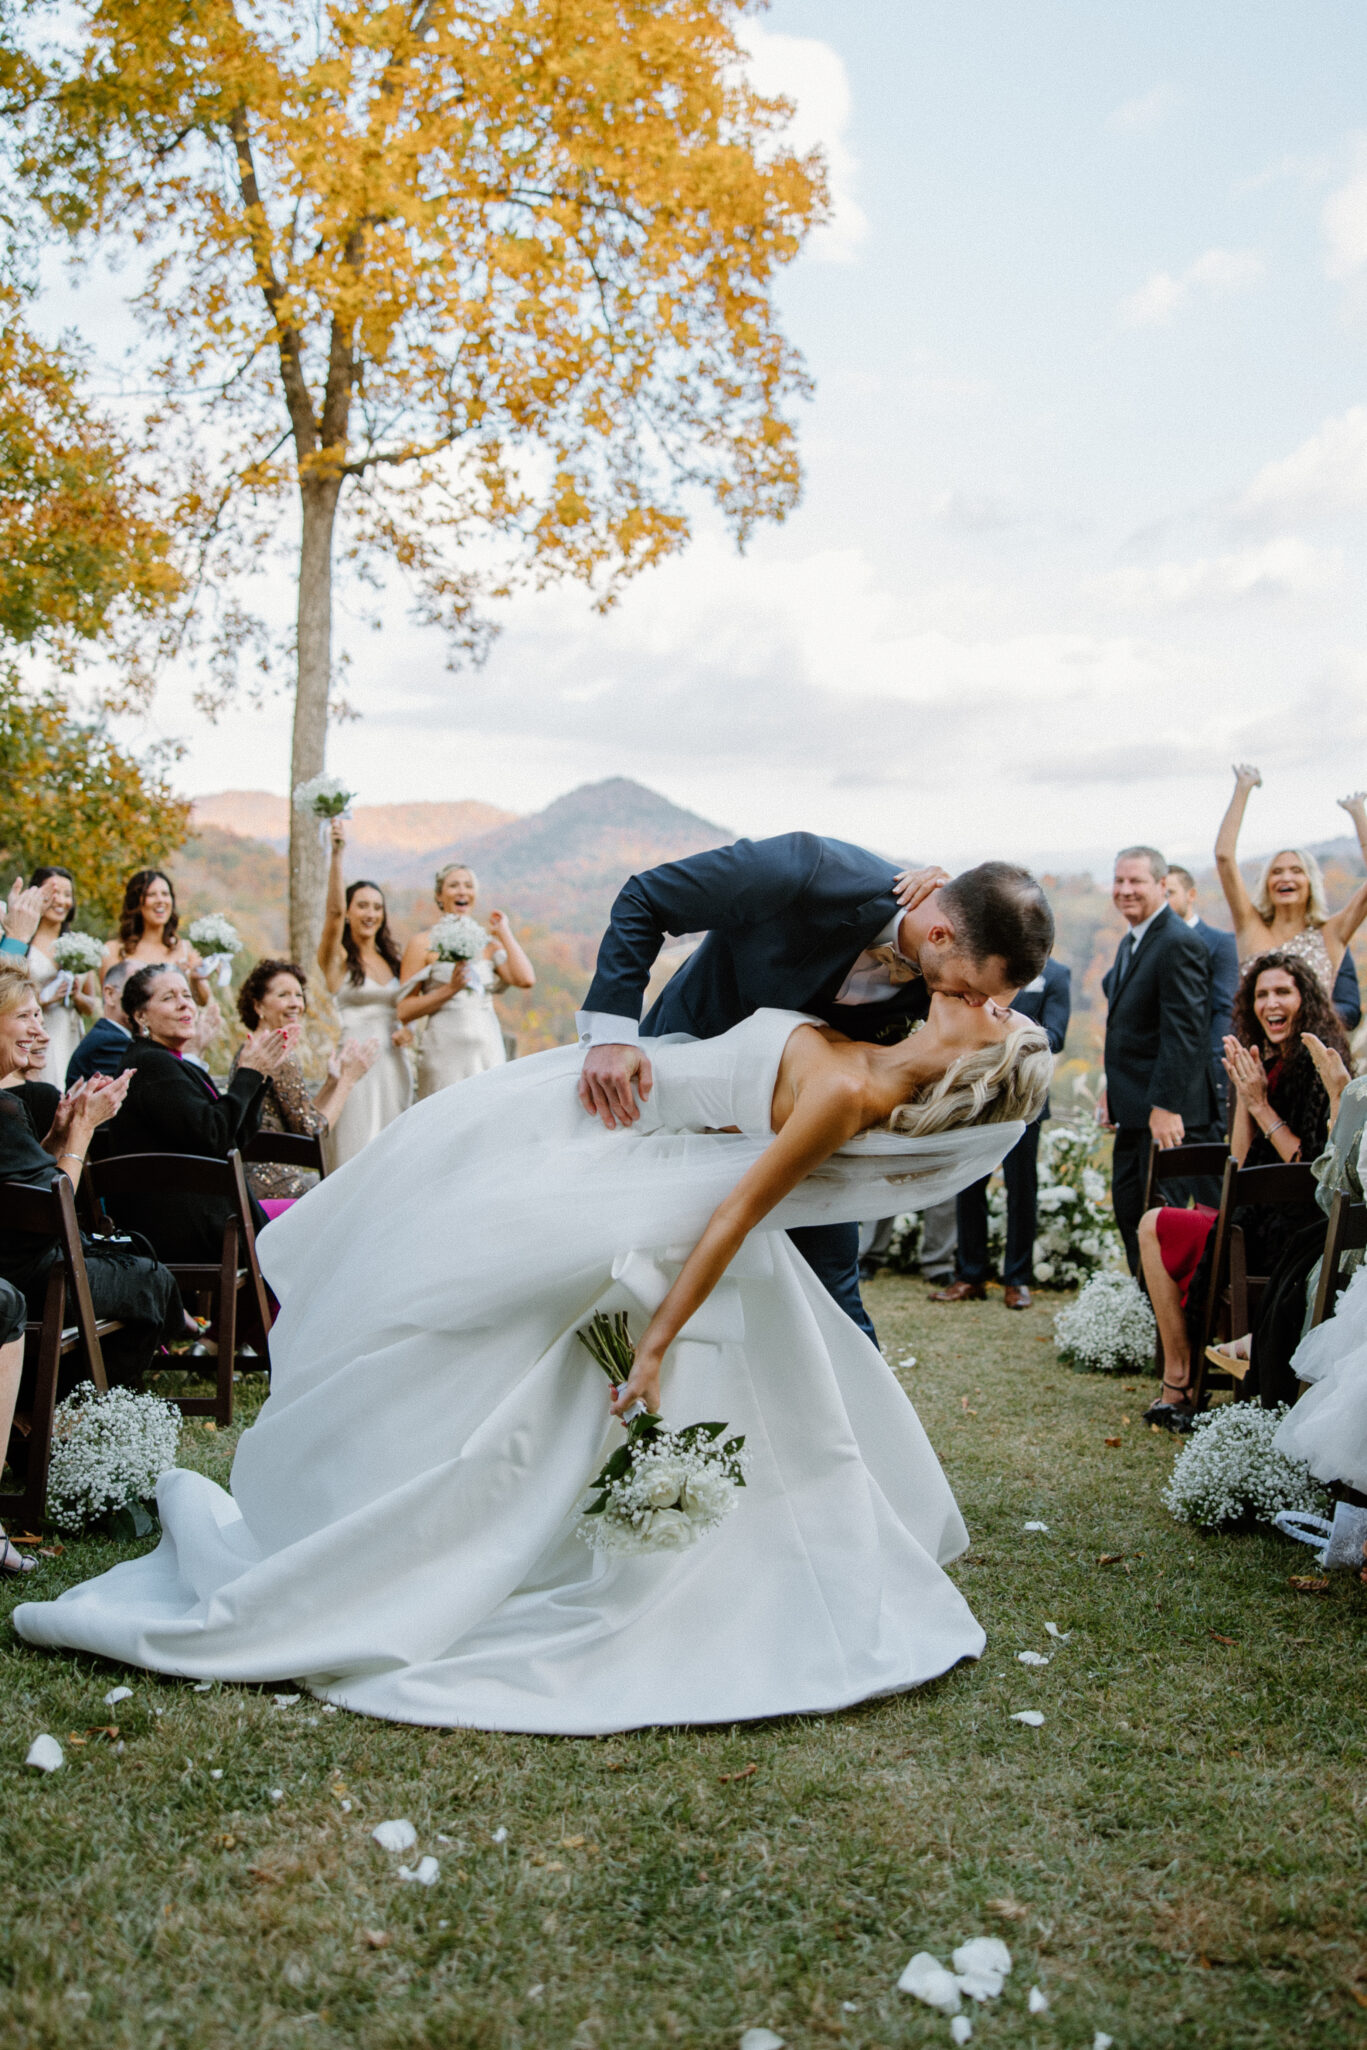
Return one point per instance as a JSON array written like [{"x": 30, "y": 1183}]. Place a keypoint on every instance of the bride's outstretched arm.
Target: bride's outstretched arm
[{"x": 829, "y": 1111}]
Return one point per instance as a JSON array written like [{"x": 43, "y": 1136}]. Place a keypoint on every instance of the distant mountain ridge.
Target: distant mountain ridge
[
  {"x": 562, "y": 867},
  {"x": 387, "y": 834}
]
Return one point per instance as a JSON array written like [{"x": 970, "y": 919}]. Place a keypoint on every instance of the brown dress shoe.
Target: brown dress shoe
[
  {"x": 1018, "y": 1298},
  {"x": 960, "y": 1292}
]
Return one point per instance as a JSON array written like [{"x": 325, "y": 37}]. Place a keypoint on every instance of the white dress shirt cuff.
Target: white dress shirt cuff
[{"x": 601, "y": 1028}]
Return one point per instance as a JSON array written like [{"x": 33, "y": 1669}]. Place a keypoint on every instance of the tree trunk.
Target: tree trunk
[{"x": 308, "y": 859}]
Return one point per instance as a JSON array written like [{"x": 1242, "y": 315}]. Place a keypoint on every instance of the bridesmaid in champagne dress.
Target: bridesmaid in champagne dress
[
  {"x": 1288, "y": 913},
  {"x": 359, "y": 957},
  {"x": 461, "y": 1034}
]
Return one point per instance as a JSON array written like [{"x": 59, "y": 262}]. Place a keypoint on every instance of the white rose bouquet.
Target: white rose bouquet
[
  {"x": 109, "y": 1450},
  {"x": 77, "y": 953},
  {"x": 327, "y": 797},
  {"x": 663, "y": 1489},
  {"x": 215, "y": 939}
]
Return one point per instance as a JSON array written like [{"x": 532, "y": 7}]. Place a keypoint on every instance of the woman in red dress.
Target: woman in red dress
[{"x": 1281, "y": 1114}]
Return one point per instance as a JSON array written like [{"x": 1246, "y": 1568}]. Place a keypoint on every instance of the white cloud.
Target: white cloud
[
  {"x": 1145, "y": 111},
  {"x": 1343, "y": 221},
  {"x": 1286, "y": 567},
  {"x": 812, "y": 75},
  {"x": 1218, "y": 271},
  {"x": 1322, "y": 479}
]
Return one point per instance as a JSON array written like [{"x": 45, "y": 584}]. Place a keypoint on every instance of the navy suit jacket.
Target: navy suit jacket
[
  {"x": 1347, "y": 997},
  {"x": 1224, "y": 982},
  {"x": 1050, "y": 1007},
  {"x": 101, "y": 1052},
  {"x": 784, "y": 922},
  {"x": 1158, "y": 1028}
]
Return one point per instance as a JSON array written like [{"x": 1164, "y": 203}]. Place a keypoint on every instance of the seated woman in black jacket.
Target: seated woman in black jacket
[
  {"x": 124, "y": 1283},
  {"x": 173, "y": 1106}
]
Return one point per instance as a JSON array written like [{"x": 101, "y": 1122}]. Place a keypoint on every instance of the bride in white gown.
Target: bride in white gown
[{"x": 400, "y": 1532}]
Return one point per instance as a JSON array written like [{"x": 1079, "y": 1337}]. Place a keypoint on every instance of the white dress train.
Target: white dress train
[
  {"x": 1328, "y": 1426},
  {"x": 385, "y": 1092},
  {"x": 400, "y": 1532}
]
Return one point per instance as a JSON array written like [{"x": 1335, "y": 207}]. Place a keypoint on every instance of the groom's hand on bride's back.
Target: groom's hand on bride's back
[{"x": 608, "y": 1082}]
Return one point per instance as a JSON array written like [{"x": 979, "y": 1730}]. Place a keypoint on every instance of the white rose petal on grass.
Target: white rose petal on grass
[
  {"x": 116, "y": 1695},
  {"x": 395, "y": 1836},
  {"x": 277, "y": 1793},
  {"x": 45, "y": 1754},
  {"x": 425, "y": 1873},
  {"x": 761, "y": 2039},
  {"x": 1038, "y": 2003},
  {"x": 201, "y": 1686},
  {"x": 961, "y": 2029},
  {"x": 982, "y": 1965},
  {"x": 500, "y": 1836},
  {"x": 216, "y": 1773},
  {"x": 1060, "y": 1636},
  {"x": 927, "y": 1978},
  {"x": 1101, "y": 2041},
  {"x": 1031, "y": 1717},
  {"x": 1032, "y": 1658},
  {"x": 1035, "y": 1526},
  {"x": 285, "y": 1700}
]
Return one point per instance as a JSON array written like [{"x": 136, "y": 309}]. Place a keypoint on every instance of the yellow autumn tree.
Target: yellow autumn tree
[{"x": 491, "y": 279}]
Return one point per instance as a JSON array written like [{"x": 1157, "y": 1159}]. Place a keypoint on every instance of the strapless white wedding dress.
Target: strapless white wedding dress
[{"x": 399, "y": 1536}]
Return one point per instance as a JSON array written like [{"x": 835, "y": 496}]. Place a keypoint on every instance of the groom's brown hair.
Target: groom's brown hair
[{"x": 1000, "y": 909}]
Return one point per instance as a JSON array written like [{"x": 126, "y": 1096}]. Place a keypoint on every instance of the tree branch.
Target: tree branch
[{"x": 297, "y": 398}]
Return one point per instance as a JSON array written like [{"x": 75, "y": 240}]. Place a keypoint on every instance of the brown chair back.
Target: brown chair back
[
  {"x": 1182, "y": 1163},
  {"x": 286, "y": 1149},
  {"x": 1233, "y": 1291}
]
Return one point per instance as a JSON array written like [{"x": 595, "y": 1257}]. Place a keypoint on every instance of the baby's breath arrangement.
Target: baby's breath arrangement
[
  {"x": 77, "y": 953},
  {"x": 458, "y": 938},
  {"x": 1109, "y": 1329},
  {"x": 109, "y": 1449},
  {"x": 662, "y": 1489},
  {"x": 1229, "y": 1470}
]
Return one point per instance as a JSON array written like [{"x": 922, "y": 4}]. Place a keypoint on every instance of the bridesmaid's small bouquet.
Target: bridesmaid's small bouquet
[
  {"x": 663, "y": 1489},
  {"x": 215, "y": 939},
  {"x": 77, "y": 953},
  {"x": 327, "y": 797},
  {"x": 458, "y": 938}
]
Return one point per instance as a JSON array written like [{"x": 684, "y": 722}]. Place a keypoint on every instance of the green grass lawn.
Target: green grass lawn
[{"x": 1175, "y": 1857}]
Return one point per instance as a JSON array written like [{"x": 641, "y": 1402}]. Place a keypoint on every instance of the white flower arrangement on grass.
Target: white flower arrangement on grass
[
  {"x": 662, "y": 1490},
  {"x": 109, "y": 1450},
  {"x": 458, "y": 938},
  {"x": 327, "y": 797},
  {"x": 77, "y": 953},
  {"x": 1230, "y": 1470},
  {"x": 1109, "y": 1329}
]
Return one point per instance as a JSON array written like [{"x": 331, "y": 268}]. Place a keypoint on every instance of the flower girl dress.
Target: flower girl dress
[{"x": 400, "y": 1532}]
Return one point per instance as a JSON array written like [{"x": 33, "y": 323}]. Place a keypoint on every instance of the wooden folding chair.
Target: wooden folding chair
[
  {"x": 1347, "y": 1234},
  {"x": 1232, "y": 1296},
  {"x": 1182, "y": 1163},
  {"x": 51, "y": 1214},
  {"x": 234, "y": 1275},
  {"x": 286, "y": 1149}
]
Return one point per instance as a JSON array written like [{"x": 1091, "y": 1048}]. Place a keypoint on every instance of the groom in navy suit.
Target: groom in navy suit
[{"x": 801, "y": 923}]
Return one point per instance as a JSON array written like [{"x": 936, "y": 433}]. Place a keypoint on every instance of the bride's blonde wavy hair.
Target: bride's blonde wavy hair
[{"x": 990, "y": 1086}]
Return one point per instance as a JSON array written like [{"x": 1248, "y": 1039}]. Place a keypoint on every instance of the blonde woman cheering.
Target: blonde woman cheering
[{"x": 460, "y": 1034}]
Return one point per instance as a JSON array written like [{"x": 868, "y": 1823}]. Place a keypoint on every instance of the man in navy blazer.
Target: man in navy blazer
[
  {"x": 1179, "y": 887},
  {"x": 801, "y": 923},
  {"x": 1157, "y": 1054},
  {"x": 1048, "y": 1000},
  {"x": 104, "y": 1047}
]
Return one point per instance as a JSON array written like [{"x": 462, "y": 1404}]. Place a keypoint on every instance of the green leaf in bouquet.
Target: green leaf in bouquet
[{"x": 132, "y": 1521}]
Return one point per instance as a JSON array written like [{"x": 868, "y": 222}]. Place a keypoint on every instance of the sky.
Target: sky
[{"x": 1085, "y": 472}]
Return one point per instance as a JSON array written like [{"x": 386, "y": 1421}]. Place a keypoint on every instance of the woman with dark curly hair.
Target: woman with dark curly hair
[
  {"x": 149, "y": 932},
  {"x": 273, "y": 996},
  {"x": 1281, "y": 1114}
]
